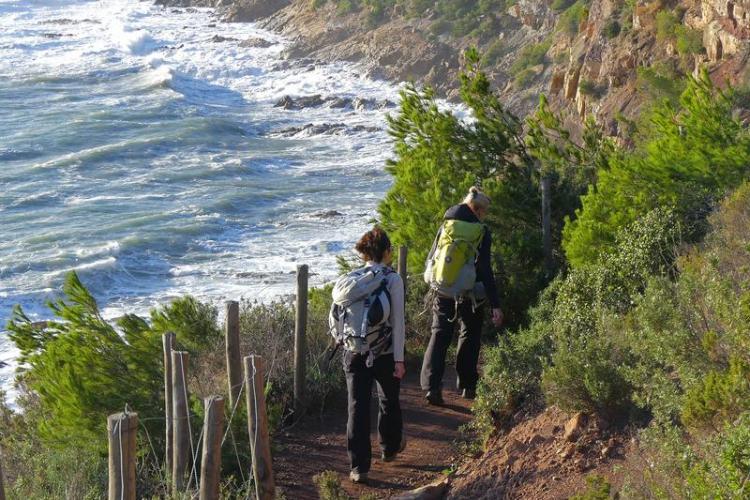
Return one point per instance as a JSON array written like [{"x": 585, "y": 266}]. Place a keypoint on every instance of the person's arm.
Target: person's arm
[
  {"x": 484, "y": 270},
  {"x": 398, "y": 321}
]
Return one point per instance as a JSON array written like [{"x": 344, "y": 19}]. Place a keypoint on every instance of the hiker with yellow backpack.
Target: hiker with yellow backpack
[{"x": 459, "y": 273}]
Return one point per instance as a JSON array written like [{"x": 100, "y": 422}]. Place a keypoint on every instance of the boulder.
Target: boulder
[
  {"x": 256, "y": 42},
  {"x": 574, "y": 426}
]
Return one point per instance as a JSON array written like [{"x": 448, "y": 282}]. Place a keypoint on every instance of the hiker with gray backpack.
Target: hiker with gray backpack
[
  {"x": 459, "y": 273},
  {"x": 367, "y": 320}
]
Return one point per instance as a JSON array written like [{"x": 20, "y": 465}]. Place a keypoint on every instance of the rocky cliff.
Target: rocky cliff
[{"x": 605, "y": 58}]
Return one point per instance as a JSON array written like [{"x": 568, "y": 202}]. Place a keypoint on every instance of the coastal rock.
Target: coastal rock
[
  {"x": 256, "y": 42},
  {"x": 288, "y": 102},
  {"x": 221, "y": 39},
  {"x": 244, "y": 11},
  {"x": 312, "y": 129}
]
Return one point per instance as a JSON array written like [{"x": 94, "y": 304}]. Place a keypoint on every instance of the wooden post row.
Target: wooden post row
[
  {"x": 257, "y": 424},
  {"x": 213, "y": 428},
  {"x": 168, "y": 341},
  {"x": 403, "y": 252},
  {"x": 122, "y": 430},
  {"x": 232, "y": 343},
  {"x": 181, "y": 423},
  {"x": 300, "y": 332}
]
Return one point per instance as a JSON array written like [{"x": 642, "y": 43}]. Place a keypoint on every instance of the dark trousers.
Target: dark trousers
[
  {"x": 444, "y": 319},
  {"x": 359, "y": 379}
]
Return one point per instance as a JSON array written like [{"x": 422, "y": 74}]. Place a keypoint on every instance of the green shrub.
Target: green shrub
[
  {"x": 685, "y": 157},
  {"x": 329, "y": 486},
  {"x": 494, "y": 52},
  {"x": 612, "y": 28},
  {"x": 532, "y": 55},
  {"x": 524, "y": 78},
  {"x": 666, "y": 25},
  {"x": 570, "y": 20},
  {"x": 597, "y": 488},
  {"x": 689, "y": 40},
  {"x": 561, "y": 5},
  {"x": 511, "y": 375},
  {"x": 719, "y": 396},
  {"x": 590, "y": 88},
  {"x": 346, "y": 6}
]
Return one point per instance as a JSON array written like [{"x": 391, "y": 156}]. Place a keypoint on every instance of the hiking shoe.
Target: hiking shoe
[
  {"x": 434, "y": 398},
  {"x": 390, "y": 457},
  {"x": 469, "y": 393},
  {"x": 358, "y": 477}
]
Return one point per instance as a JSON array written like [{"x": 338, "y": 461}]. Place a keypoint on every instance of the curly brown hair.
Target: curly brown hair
[{"x": 373, "y": 245}]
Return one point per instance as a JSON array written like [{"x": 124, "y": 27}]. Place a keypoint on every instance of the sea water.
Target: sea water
[{"x": 140, "y": 147}]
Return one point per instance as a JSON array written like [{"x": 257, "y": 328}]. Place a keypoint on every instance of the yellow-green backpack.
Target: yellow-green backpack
[{"x": 450, "y": 270}]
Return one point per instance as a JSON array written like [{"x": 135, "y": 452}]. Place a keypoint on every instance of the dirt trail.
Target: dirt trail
[{"x": 317, "y": 445}]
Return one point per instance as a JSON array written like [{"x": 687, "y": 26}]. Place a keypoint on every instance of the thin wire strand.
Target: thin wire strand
[{"x": 234, "y": 409}]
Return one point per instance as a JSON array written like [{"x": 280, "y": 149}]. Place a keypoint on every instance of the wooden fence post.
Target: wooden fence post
[
  {"x": 403, "y": 251},
  {"x": 2, "y": 488},
  {"x": 122, "y": 430},
  {"x": 300, "y": 332},
  {"x": 257, "y": 424},
  {"x": 181, "y": 456},
  {"x": 213, "y": 428},
  {"x": 168, "y": 340},
  {"x": 234, "y": 360}
]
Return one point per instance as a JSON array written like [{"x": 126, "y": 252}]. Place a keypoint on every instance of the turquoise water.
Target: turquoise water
[{"x": 147, "y": 156}]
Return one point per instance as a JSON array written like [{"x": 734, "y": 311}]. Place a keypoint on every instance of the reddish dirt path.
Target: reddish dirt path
[{"x": 315, "y": 446}]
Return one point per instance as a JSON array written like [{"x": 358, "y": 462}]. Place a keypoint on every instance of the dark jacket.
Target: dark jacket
[{"x": 483, "y": 263}]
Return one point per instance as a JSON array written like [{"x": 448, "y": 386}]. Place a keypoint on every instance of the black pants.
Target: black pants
[
  {"x": 359, "y": 380},
  {"x": 444, "y": 319}
]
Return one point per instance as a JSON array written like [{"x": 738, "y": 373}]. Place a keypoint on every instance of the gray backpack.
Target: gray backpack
[{"x": 360, "y": 311}]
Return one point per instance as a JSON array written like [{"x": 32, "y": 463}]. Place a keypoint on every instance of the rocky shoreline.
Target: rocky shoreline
[{"x": 607, "y": 64}]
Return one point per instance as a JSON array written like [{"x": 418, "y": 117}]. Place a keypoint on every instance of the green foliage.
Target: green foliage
[
  {"x": 687, "y": 156},
  {"x": 512, "y": 370},
  {"x": 660, "y": 81},
  {"x": 494, "y": 52},
  {"x": 532, "y": 55},
  {"x": 721, "y": 396},
  {"x": 524, "y": 78},
  {"x": 82, "y": 369},
  {"x": 590, "y": 88},
  {"x": 597, "y": 488},
  {"x": 666, "y": 25},
  {"x": 329, "y": 486},
  {"x": 570, "y": 21},
  {"x": 561, "y": 5},
  {"x": 688, "y": 40},
  {"x": 438, "y": 157},
  {"x": 612, "y": 28}
]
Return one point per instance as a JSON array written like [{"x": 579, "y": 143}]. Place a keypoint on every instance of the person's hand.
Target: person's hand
[
  {"x": 497, "y": 316},
  {"x": 400, "y": 370}
]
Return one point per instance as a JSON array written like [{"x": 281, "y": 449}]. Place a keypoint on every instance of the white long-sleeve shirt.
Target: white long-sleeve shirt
[{"x": 396, "y": 319}]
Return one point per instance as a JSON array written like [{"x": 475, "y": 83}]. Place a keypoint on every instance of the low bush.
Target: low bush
[
  {"x": 570, "y": 21},
  {"x": 532, "y": 55}
]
